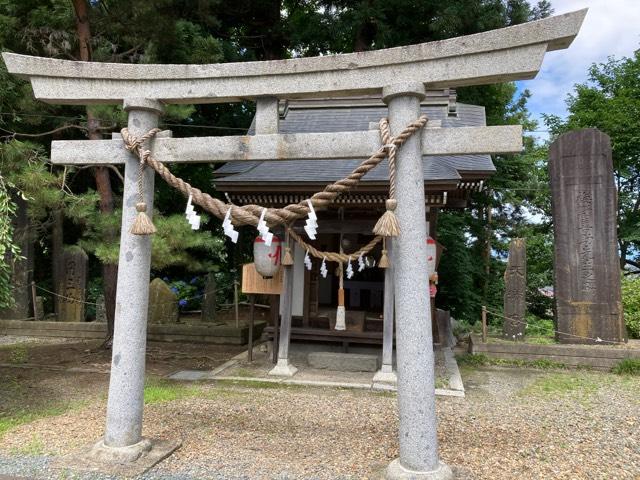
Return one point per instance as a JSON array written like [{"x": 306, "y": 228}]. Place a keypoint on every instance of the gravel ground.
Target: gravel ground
[{"x": 520, "y": 424}]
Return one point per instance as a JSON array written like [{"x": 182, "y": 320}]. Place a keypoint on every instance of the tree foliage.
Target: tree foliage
[
  {"x": 610, "y": 101},
  {"x": 8, "y": 249},
  {"x": 631, "y": 305},
  {"x": 176, "y": 31}
]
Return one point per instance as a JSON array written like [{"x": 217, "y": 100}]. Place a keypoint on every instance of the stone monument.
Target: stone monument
[
  {"x": 209, "y": 299},
  {"x": 73, "y": 285},
  {"x": 586, "y": 264},
  {"x": 39, "y": 310},
  {"x": 515, "y": 291},
  {"x": 163, "y": 303},
  {"x": 101, "y": 310},
  {"x": 401, "y": 76}
]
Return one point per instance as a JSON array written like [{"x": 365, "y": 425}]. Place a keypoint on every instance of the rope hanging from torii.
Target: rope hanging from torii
[{"x": 387, "y": 225}]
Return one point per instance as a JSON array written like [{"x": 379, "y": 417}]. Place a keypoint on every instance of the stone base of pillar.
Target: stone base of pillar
[
  {"x": 386, "y": 375},
  {"x": 129, "y": 461},
  {"x": 283, "y": 369},
  {"x": 395, "y": 471}
]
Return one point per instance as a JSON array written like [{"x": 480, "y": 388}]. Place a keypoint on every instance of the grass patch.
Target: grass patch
[
  {"x": 34, "y": 447},
  {"x": 531, "y": 340},
  {"x": 472, "y": 360},
  {"x": 21, "y": 417},
  {"x": 244, "y": 372},
  {"x": 541, "y": 340},
  {"x": 442, "y": 383},
  {"x": 628, "y": 366},
  {"x": 160, "y": 390},
  {"x": 482, "y": 360},
  {"x": 18, "y": 354},
  {"x": 561, "y": 384}
]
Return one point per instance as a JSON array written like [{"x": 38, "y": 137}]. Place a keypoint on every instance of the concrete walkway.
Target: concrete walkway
[{"x": 448, "y": 379}]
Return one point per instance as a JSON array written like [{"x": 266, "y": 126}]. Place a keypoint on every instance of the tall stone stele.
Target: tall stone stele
[
  {"x": 515, "y": 291},
  {"x": 73, "y": 285},
  {"x": 586, "y": 264}
]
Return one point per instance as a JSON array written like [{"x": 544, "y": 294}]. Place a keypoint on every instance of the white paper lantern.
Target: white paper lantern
[
  {"x": 431, "y": 256},
  {"x": 267, "y": 258}
]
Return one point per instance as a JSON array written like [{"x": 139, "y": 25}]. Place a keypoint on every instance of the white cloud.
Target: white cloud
[{"x": 611, "y": 28}]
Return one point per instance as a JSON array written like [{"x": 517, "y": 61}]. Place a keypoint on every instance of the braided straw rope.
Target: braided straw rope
[
  {"x": 333, "y": 256},
  {"x": 142, "y": 224},
  {"x": 388, "y": 140},
  {"x": 250, "y": 214}
]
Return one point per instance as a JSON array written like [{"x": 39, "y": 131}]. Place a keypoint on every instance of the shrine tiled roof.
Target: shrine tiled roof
[{"x": 328, "y": 117}]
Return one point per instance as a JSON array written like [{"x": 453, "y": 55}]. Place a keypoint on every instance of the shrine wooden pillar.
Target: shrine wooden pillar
[
  {"x": 267, "y": 122},
  {"x": 386, "y": 373}
]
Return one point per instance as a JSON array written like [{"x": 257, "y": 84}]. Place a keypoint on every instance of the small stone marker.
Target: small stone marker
[
  {"x": 163, "y": 303},
  {"x": 73, "y": 285},
  {"x": 39, "y": 308},
  {"x": 209, "y": 299},
  {"x": 586, "y": 264},
  {"x": 515, "y": 291},
  {"x": 101, "y": 310}
]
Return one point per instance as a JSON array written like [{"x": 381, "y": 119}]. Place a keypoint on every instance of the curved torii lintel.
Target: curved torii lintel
[{"x": 506, "y": 54}]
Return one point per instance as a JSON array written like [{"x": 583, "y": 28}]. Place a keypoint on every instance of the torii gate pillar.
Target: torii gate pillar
[
  {"x": 414, "y": 345},
  {"x": 123, "y": 436}
]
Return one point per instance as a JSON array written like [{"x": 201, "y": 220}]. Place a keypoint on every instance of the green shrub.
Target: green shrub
[
  {"x": 539, "y": 327},
  {"x": 481, "y": 360},
  {"x": 628, "y": 366},
  {"x": 631, "y": 305},
  {"x": 473, "y": 359}
]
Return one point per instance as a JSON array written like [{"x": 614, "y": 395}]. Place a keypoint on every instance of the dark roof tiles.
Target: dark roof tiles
[{"x": 338, "y": 119}]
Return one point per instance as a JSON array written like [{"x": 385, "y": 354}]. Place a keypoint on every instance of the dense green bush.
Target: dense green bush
[
  {"x": 628, "y": 366},
  {"x": 631, "y": 305}
]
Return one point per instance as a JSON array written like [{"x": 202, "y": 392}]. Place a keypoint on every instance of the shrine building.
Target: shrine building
[{"x": 449, "y": 182}]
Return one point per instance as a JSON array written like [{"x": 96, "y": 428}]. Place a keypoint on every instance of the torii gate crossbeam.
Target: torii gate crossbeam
[{"x": 401, "y": 75}]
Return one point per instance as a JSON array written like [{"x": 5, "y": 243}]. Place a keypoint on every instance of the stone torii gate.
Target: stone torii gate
[{"x": 401, "y": 74}]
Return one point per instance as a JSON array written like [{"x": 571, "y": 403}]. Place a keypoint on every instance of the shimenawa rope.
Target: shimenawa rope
[{"x": 250, "y": 214}]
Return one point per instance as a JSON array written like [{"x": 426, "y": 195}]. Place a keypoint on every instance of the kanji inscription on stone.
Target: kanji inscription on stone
[
  {"x": 586, "y": 264},
  {"x": 515, "y": 291},
  {"x": 73, "y": 285}
]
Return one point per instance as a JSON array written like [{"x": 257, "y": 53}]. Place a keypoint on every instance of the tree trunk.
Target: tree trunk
[
  {"x": 365, "y": 35},
  {"x": 624, "y": 248},
  {"x": 273, "y": 43},
  {"x": 57, "y": 242},
  {"x": 101, "y": 174}
]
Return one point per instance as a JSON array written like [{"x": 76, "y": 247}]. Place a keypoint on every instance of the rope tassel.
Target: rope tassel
[
  {"x": 142, "y": 224},
  {"x": 288, "y": 258},
  {"x": 384, "y": 259},
  {"x": 387, "y": 225}
]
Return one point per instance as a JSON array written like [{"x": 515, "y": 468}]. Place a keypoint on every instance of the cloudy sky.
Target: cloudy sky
[{"x": 612, "y": 27}]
